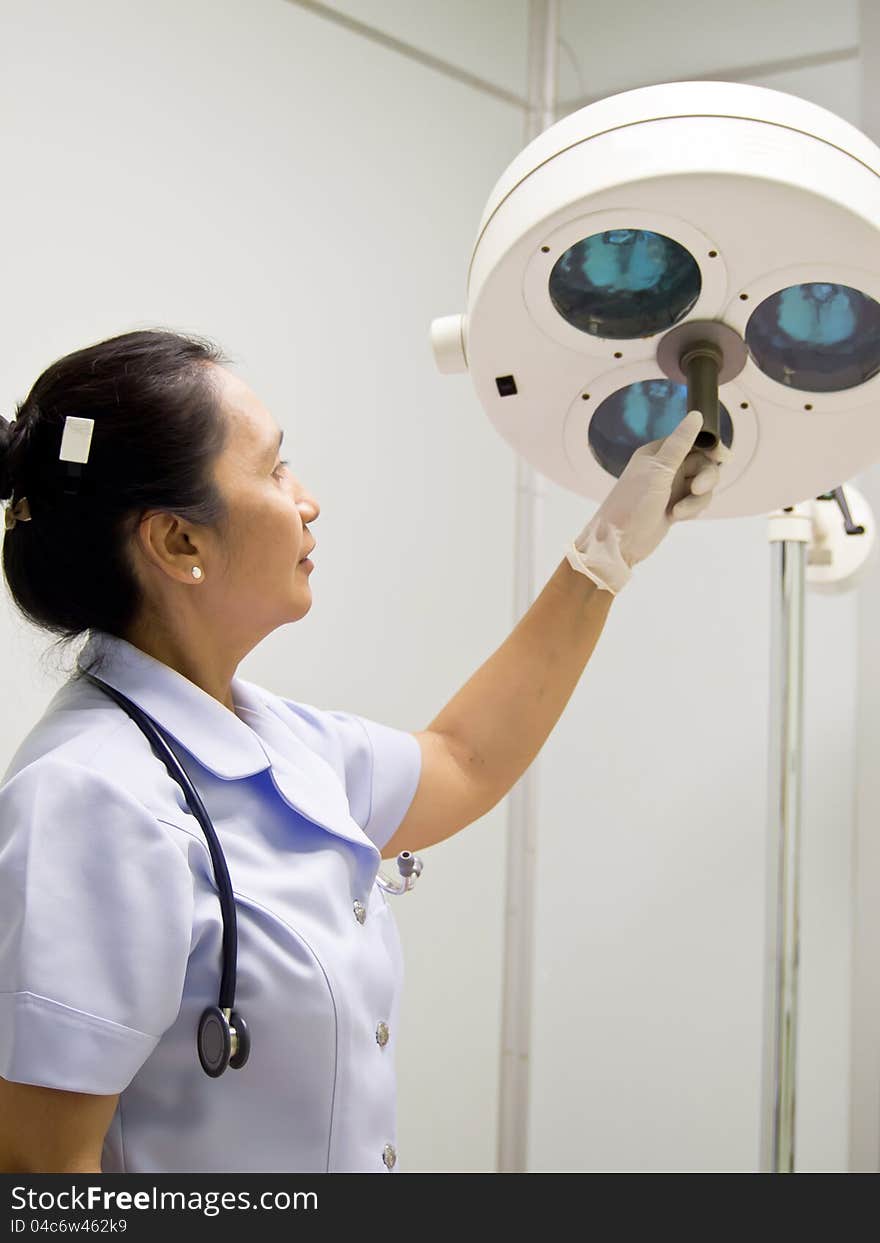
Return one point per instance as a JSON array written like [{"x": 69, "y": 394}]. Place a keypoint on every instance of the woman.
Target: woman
[{"x": 176, "y": 544}]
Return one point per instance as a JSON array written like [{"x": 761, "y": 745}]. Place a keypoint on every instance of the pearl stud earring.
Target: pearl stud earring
[{"x": 196, "y": 572}]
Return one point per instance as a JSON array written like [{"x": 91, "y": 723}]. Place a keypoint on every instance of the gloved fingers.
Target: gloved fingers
[
  {"x": 697, "y": 476},
  {"x": 719, "y": 454},
  {"x": 672, "y": 451},
  {"x": 691, "y": 507},
  {"x": 654, "y": 448},
  {"x": 706, "y": 480},
  {"x": 696, "y": 461}
]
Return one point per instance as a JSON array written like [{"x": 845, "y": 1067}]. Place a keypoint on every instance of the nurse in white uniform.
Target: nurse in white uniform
[{"x": 173, "y": 546}]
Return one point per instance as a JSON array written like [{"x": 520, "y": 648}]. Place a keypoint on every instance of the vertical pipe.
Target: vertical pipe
[
  {"x": 516, "y": 998},
  {"x": 783, "y": 857}
]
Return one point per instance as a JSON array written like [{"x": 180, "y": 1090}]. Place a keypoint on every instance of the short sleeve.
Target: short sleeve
[
  {"x": 379, "y": 765},
  {"x": 97, "y": 906}
]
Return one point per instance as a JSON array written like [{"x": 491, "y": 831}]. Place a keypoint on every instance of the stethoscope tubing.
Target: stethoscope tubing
[{"x": 221, "y": 873}]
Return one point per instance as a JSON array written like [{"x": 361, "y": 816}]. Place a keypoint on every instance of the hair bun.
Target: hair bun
[{"x": 5, "y": 440}]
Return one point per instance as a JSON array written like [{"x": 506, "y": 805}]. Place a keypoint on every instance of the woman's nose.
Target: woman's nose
[{"x": 308, "y": 505}]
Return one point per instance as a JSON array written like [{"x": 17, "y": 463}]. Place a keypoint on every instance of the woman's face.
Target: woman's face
[{"x": 258, "y": 577}]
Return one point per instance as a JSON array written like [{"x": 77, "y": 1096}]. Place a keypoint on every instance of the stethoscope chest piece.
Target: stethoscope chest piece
[
  {"x": 410, "y": 868},
  {"x": 222, "y": 1041}
]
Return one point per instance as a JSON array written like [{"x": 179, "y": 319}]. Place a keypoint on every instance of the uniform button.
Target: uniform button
[
  {"x": 360, "y": 912},
  {"x": 382, "y": 1035},
  {"x": 389, "y": 1156}
]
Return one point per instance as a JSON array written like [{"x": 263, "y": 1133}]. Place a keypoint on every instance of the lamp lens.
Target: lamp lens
[
  {"x": 638, "y": 414},
  {"x": 819, "y": 338},
  {"x": 624, "y": 284}
]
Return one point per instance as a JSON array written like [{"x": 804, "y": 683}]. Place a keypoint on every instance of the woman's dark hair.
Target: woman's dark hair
[{"x": 158, "y": 431}]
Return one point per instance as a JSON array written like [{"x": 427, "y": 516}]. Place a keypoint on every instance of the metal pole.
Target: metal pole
[
  {"x": 516, "y": 997},
  {"x": 790, "y": 532}
]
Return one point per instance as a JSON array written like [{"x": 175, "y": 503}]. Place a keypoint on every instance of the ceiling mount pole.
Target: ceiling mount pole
[{"x": 519, "y": 906}]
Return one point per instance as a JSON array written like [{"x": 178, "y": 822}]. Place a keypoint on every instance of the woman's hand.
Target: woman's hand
[{"x": 665, "y": 481}]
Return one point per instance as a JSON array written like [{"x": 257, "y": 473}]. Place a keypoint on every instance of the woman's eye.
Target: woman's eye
[{"x": 279, "y": 466}]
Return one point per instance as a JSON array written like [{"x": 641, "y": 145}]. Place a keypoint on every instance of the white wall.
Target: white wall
[
  {"x": 639, "y": 42},
  {"x": 649, "y": 964},
  {"x": 308, "y": 199},
  {"x": 487, "y": 38},
  {"x": 865, "y": 1033}
]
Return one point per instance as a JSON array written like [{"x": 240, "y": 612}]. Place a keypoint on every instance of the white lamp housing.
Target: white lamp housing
[{"x": 712, "y": 203}]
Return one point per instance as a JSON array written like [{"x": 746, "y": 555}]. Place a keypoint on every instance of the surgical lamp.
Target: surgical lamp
[{"x": 708, "y": 246}]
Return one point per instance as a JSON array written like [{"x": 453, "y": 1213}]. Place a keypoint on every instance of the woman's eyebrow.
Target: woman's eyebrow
[{"x": 278, "y": 445}]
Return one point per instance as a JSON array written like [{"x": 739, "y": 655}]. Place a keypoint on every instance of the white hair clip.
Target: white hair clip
[{"x": 76, "y": 439}]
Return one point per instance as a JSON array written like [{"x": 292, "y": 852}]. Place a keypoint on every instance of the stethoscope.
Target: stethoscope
[{"x": 223, "y": 1039}]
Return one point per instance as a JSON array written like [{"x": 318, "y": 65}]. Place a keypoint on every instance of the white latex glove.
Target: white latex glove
[{"x": 665, "y": 481}]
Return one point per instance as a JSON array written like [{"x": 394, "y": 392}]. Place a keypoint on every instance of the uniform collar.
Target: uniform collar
[
  {"x": 220, "y": 741},
  {"x": 199, "y": 722}
]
